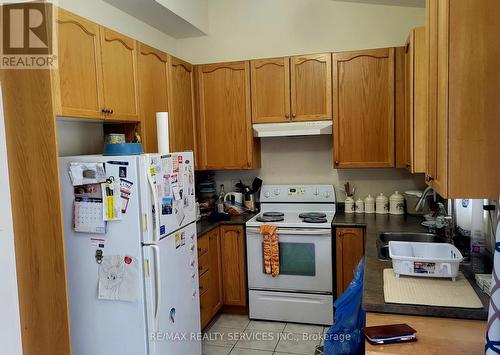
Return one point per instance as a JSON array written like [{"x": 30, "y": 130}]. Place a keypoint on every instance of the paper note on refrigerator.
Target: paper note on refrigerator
[
  {"x": 118, "y": 278},
  {"x": 112, "y": 204},
  {"x": 86, "y": 173}
]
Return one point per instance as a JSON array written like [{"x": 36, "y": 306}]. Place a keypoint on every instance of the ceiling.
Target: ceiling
[{"x": 408, "y": 3}]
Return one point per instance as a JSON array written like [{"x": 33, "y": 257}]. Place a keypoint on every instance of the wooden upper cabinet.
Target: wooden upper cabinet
[
  {"x": 225, "y": 118},
  {"x": 270, "y": 90},
  {"x": 363, "y": 106},
  {"x": 181, "y": 105},
  {"x": 463, "y": 113},
  {"x": 416, "y": 102},
  {"x": 80, "y": 76},
  {"x": 119, "y": 67},
  {"x": 153, "y": 89},
  {"x": 311, "y": 87}
]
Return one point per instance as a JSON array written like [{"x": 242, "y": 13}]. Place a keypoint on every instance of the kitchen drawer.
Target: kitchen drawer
[
  {"x": 203, "y": 245},
  {"x": 203, "y": 263},
  {"x": 204, "y": 283}
]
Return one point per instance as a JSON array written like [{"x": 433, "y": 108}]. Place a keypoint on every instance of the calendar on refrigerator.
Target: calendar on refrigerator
[{"x": 88, "y": 216}]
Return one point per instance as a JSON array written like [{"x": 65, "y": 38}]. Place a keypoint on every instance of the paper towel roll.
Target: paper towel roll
[{"x": 162, "y": 132}]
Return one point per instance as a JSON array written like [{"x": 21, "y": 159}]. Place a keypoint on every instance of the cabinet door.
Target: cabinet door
[
  {"x": 152, "y": 92},
  {"x": 119, "y": 56},
  {"x": 437, "y": 42},
  {"x": 270, "y": 81},
  {"x": 233, "y": 265},
  {"x": 363, "y": 100},
  {"x": 80, "y": 76},
  {"x": 225, "y": 118},
  {"x": 181, "y": 102},
  {"x": 311, "y": 87},
  {"x": 350, "y": 247},
  {"x": 215, "y": 272},
  {"x": 416, "y": 102}
]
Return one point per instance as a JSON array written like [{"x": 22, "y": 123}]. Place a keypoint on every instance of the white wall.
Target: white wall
[
  {"x": 309, "y": 160},
  {"x": 243, "y": 29},
  {"x": 193, "y": 11},
  {"x": 109, "y": 16},
  {"x": 10, "y": 328},
  {"x": 77, "y": 137}
]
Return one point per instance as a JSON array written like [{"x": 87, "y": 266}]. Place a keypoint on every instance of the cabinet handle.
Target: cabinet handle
[
  {"x": 337, "y": 162},
  {"x": 287, "y": 115},
  {"x": 408, "y": 165},
  {"x": 111, "y": 111},
  {"x": 428, "y": 178},
  {"x": 340, "y": 234},
  {"x": 293, "y": 116}
]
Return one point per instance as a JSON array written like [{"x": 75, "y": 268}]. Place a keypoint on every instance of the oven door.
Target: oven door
[{"x": 305, "y": 261}]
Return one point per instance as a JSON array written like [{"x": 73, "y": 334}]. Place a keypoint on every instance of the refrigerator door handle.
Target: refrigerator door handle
[
  {"x": 156, "y": 229},
  {"x": 156, "y": 251}
]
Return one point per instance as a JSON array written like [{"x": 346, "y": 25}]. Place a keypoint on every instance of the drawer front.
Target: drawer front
[
  {"x": 203, "y": 263},
  {"x": 203, "y": 245},
  {"x": 204, "y": 283}
]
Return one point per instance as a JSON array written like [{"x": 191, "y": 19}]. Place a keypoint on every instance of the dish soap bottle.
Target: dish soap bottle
[{"x": 220, "y": 200}]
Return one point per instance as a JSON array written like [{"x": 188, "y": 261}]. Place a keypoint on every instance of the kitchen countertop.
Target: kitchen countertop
[
  {"x": 373, "y": 284},
  {"x": 204, "y": 225}
]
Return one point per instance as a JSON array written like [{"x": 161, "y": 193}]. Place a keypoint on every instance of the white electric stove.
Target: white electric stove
[{"x": 303, "y": 290}]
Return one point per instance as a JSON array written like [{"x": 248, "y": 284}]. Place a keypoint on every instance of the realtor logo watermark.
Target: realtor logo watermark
[{"x": 28, "y": 35}]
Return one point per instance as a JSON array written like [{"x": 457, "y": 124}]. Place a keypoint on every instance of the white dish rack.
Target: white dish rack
[{"x": 425, "y": 259}]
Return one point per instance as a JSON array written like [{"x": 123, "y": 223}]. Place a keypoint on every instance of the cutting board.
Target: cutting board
[{"x": 441, "y": 292}]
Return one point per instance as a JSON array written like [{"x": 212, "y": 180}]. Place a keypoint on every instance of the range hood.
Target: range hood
[{"x": 285, "y": 129}]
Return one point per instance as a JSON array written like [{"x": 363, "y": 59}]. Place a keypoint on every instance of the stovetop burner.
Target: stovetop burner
[
  {"x": 313, "y": 215},
  {"x": 273, "y": 214},
  {"x": 315, "y": 220},
  {"x": 265, "y": 218}
]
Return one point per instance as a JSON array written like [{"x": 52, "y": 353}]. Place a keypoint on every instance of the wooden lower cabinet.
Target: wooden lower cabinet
[
  {"x": 234, "y": 277},
  {"x": 350, "y": 247},
  {"x": 222, "y": 273},
  {"x": 209, "y": 263}
]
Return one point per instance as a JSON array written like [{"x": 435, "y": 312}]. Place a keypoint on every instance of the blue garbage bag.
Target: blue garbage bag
[{"x": 344, "y": 336}]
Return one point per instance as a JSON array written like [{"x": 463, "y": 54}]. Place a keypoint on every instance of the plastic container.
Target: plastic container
[{"x": 425, "y": 259}]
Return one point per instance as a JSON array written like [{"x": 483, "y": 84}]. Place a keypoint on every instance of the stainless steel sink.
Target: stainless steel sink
[{"x": 384, "y": 239}]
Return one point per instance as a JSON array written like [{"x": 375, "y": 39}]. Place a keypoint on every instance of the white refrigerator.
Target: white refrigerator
[{"x": 132, "y": 280}]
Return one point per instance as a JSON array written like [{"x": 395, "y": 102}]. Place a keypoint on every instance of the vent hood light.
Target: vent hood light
[{"x": 292, "y": 129}]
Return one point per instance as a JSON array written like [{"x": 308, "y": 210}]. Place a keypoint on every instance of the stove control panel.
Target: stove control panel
[{"x": 297, "y": 193}]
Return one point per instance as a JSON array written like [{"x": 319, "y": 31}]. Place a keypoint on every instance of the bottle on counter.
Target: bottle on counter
[
  {"x": 396, "y": 203},
  {"x": 369, "y": 204},
  {"x": 360, "y": 206},
  {"x": 220, "y": 200},
  {"x": 381, "y": 204}
]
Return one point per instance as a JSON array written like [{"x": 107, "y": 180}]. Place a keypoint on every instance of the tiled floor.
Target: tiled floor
[{"x": 237, "y": 335}]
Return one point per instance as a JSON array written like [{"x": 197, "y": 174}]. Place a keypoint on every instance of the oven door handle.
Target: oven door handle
[{"x": 279, "y": 231}]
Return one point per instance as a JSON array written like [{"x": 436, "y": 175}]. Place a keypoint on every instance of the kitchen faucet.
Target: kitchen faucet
[{"x": 421, "y": 202}]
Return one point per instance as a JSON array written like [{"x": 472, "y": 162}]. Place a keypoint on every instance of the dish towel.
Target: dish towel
[{"x": 271, "y": 249}]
